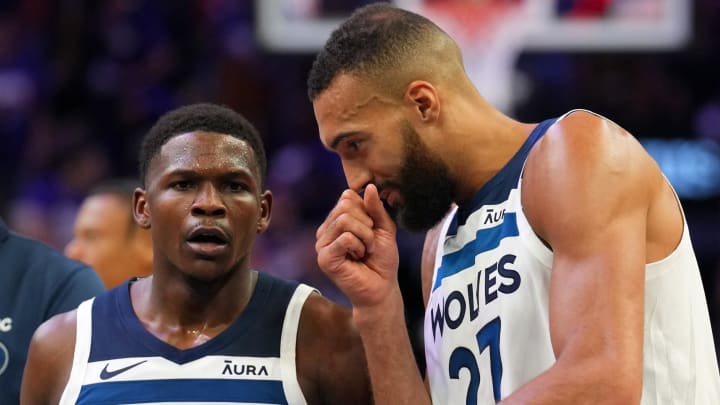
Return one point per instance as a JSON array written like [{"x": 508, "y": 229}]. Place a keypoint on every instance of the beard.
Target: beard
[{"x": 424, "y": 183}]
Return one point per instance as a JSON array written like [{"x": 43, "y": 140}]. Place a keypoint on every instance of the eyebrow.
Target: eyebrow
[
  {"x": 339, "y": 138},
  {"x": 195, "y": 173}
]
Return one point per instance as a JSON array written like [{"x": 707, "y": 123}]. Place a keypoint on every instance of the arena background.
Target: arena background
[{"x": 81, "y": 81}]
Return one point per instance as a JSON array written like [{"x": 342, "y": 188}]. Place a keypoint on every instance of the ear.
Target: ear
[
  {"x": 266, "y": 199},
  {"x": 141, "y": 211},
  {"x": 424, "y": 99}
]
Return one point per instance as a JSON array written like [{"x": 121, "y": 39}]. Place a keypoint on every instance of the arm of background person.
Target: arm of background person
[
  {"x": 358, "y": 251},
  {"x": 49, "y": 361},
  {"x": 586, "y": 192}
]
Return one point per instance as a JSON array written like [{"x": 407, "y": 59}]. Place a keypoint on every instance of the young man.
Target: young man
[
  {"x": 564, "y": 275},
  {"x": 205, "y": 327},
  {"x": 106, "y": 236},
  {"x": 36, "y": 282}
]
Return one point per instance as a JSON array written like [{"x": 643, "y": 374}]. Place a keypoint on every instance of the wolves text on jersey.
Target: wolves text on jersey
[{"x": 499, "y": 277}]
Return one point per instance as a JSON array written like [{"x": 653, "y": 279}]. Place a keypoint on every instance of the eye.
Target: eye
[
  {"x": 354, "y": 145},
  {"x": 236, "y": 186},
  {"x": 181, "y": 185}
]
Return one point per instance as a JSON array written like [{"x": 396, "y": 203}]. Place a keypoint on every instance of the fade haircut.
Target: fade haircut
[
  {"x": 206, "y": 117},
  {"x": 375, "y": 40}
]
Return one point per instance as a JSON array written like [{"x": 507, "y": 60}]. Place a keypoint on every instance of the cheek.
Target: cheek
[
  {"x": 105, "y": 249},
  {"x": 382, "y": 166},
  {"x": 392, "y": 157},
  {"x": 167, "y": 214}
]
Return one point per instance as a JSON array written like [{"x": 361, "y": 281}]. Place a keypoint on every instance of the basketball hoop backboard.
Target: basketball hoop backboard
[
  {"x": 304, "y": 25},
  {"x": 611, "y": 25},
  {"x": 493, "y": 33}
]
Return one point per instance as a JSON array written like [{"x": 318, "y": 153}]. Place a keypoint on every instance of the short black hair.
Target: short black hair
[
  {"x": 201, "y": 117},
  {"x": 375, "y": 38}
]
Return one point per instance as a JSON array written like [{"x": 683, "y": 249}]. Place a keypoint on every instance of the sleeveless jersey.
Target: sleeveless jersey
[
  {"x": 117, "y": 361},
  {"x": 486, "y": 322}
]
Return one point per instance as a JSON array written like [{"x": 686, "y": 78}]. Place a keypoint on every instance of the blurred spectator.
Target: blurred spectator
[
  {"x": 106, "y": 236},
  {"x": 53, "y": 185},
  {"x": 36, "y": 282}
]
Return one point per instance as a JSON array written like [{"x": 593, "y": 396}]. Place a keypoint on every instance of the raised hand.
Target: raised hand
[{"x": 357, "y": 248}]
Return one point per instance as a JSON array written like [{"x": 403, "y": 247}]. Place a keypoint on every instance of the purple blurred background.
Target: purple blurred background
[{"x": 81, "y": 81}]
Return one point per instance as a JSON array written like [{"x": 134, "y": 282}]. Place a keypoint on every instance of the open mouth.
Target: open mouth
[
  {"x": 208, "y": 241},
  {"x": 208, "y": 238}
]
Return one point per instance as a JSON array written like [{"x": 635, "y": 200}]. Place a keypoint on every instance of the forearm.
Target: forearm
[
  {"x": 589, "y": 382},
  {"x": 391, "y": 362}
]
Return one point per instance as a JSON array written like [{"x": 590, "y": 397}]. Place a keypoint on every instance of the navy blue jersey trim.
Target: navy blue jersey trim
[
  {"x": 118, "y": 333},
  {"x": 497, "y": 189},
  {"x": 183, "y": 390},
  {"x": 485, "y": 239}
]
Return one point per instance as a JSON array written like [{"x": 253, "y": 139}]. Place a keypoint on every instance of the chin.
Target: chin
[{"x": 208, "y": 272}]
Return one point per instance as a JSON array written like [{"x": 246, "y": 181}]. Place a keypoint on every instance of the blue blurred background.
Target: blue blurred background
[{"x": 81, "y": 81}]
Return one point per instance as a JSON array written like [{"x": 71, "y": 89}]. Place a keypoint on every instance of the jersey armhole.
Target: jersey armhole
[
  {"x": 440, "y": 247},
  {"x": 288, "y": 341},
  {"x": 83, "y": 337}
]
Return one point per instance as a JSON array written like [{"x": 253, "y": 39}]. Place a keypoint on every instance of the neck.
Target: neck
[
  {"x": 185, "y": 312},
  {"x": 481, "y": 146}
]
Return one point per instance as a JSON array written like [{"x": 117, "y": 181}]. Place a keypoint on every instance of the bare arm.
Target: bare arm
[
  {"x": 326, "y": 332},
  {"x": 49, "y": 361},
  {"x": 587, "y": 191},
  {"x": 357, "y": 249}
]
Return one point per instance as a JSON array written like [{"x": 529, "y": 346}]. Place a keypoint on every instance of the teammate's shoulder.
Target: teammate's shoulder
[
  {"x": 326, "y": 320},
  {"x": 50, "y": 358},
  {"x": 582, "y": 134},
  {"x": 327, "y": 332},
  {"x": 320, "y": 310},
  {"x": 585, "y": 124}
]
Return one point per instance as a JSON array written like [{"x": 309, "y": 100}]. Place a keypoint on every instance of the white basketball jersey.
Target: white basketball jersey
[{"x": 486, "y": 322}]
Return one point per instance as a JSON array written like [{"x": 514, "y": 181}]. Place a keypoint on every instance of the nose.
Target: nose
[
  {"x": 208, "y": 202},
  {"x": 357, "y": 177}
]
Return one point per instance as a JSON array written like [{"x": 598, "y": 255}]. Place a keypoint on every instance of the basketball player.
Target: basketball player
[
  {"x": 106, "y": 236},
  {"x": 563, "y": 274},
  {"x": 205, "y": 327}
]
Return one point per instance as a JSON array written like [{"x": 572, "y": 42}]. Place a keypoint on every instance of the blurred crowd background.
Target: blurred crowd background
[{"x": 81, "y": 81}]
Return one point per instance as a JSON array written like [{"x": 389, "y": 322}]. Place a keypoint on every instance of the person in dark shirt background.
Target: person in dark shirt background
[{"x": 36, "y": 282}]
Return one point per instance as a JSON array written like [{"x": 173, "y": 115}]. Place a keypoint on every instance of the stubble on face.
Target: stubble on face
[{"x": 424, "y": 183}]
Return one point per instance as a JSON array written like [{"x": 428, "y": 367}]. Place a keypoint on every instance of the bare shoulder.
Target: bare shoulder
[
  {"x": 587, "y": 161},
  {"x": 326, "y": 321},
  {"x": 330, "y": 357},
  {"x": 49, "y": 360},
  {"x": 584, "y": 127},
  {"x": 584, "y": 143}
]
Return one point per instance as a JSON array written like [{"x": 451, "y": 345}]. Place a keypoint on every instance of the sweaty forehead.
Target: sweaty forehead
[{"x": 204, "y": 151}]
